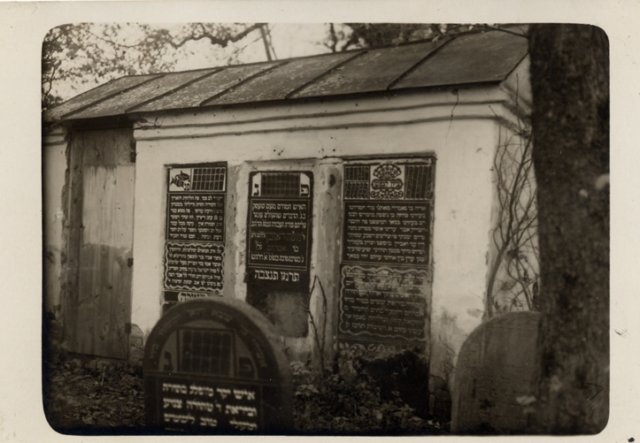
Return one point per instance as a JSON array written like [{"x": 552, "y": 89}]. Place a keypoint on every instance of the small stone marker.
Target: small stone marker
[
  {"x": 496, "y": 376},
  {"x": 213, "y": 366}
]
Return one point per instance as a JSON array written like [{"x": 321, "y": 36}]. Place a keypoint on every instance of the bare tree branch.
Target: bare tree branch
[
  {"x": 84, "y": 53},
  {"x": 514, "y": 264}
]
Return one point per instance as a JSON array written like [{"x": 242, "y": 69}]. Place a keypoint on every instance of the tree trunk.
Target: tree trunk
[{"x": 570, "y": 83}]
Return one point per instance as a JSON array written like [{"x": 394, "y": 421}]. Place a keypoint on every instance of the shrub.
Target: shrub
[{"x": 348, "y": 399}]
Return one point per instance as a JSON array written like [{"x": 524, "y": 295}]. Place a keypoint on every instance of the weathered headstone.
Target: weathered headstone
[
  {"x": 136, "y": 345},
  {"x": 496, "y": 376},
  {"x": 213, "y": 366}
]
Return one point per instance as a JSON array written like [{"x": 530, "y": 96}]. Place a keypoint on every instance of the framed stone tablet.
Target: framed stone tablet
[
  {"x": 384, "y": 275},
  {"x": 194, "y": 231}
]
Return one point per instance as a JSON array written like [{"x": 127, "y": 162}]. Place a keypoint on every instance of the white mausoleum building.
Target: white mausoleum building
[{"x": 348, "y": 195}]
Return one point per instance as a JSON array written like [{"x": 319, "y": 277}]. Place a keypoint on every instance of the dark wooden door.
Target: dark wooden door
[{"x": 101, "y": 240}]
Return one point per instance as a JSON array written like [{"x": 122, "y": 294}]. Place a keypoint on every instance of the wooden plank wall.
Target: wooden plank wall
[{"x": 102, "y": 177}]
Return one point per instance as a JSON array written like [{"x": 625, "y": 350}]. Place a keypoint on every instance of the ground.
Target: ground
[
  {"x": 84, "y": 395},
  {"x": 93, "y": 396}
]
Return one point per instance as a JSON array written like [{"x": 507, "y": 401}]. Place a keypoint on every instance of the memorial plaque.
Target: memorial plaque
[
  {"x": 214, "y": 366},
  {"x": 279, "y": 229},
  {"x": 384, "y": 278},
  {"x": 497, "y": 376},
  {"x": 194, "y": 246},
  {"x": 383, "y": 302}
]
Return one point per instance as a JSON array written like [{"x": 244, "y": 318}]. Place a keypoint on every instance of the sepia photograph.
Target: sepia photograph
[{"x": 325, "y": 229}]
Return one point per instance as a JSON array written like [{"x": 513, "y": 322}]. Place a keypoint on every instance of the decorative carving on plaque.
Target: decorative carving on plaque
[{"x": 388, "y": 182}]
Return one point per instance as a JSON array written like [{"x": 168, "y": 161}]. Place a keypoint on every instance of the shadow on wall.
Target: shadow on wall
[{"x": 287, "y": 310}]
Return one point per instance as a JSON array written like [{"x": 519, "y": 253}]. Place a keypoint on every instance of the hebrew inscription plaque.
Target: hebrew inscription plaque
[
  {"x": 279, "y": 229},
  {"x": 384, "y": 278},
  {"x": 194, "y": 232}
]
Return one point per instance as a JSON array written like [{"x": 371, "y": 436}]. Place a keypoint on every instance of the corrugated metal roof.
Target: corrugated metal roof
[{"x": 480, "y": 57}]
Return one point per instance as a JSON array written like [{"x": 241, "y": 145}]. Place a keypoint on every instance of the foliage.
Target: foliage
[
  {"x": 89, "y": 395},
  {"x": 86, "y": 53},
  {"x": 347, "y": 399},
  {"x": 341, "y": 37},
  {"x": 344, "y": 36}
]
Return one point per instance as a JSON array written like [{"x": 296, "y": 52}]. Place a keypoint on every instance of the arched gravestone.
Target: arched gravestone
[
  {"x": 213, "y": 366},
  {"x": 496, "y": 376}
]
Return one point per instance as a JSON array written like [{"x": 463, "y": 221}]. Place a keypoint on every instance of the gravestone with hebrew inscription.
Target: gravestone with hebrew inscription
[
  {"x": 214, "y": 366},
  {"x": 497, "y": 376}
]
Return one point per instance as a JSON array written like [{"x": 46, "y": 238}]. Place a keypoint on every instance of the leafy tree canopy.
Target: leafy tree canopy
[
  {"x": 341, "y": 37},
  {"x": 86, "y": 54}
]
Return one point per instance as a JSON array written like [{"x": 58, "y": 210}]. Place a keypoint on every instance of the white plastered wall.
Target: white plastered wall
[
  {"x": 458, "y": 128},
  {"x": 55, "y": 161}
]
